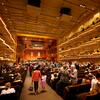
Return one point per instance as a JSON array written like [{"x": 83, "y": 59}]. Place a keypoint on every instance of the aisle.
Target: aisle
[{"x": 48, "y": 95}]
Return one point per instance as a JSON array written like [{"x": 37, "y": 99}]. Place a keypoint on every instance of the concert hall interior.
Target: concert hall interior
[{"x": 61, "y": 37}]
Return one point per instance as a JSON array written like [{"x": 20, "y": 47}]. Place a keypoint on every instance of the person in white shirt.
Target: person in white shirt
[
  {"x": 52, "y": 77},
  {"x": 8, "y": 89},
  {"x": 94, "y": 83},
  {"x": 73, "y": 74},
  {"x": 94, "y": 90}
]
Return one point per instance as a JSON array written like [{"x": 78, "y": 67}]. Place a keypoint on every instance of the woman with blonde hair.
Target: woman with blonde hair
[{"x": 8, "y": 89}]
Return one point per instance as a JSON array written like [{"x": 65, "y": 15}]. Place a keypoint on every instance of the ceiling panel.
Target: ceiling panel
[{"x": 22, "y": 17}]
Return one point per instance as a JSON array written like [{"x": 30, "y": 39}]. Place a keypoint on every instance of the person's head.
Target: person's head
[
  {"x": 55, "y": 75},
  {"x": 37, "y": 68},
  {"x": 86, "y": 76},
  {"x": 93, "y": 77},
  {"x": 64, "y": 67},
  {"x": 43, "y": 73},
  {"x": 7, "y": 85},
  {"x": 73, "y": 67}
]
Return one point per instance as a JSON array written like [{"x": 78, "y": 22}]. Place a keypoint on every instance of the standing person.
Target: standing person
[
  {"x": 43, "y": 81},
  {"x": 30, "y": 70},
  {"x": 36, "y": 75}
]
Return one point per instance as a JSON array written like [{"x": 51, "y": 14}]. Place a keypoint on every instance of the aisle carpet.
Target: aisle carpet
[{"x": 49, "y": 94}]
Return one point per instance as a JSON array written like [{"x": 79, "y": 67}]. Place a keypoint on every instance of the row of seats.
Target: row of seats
[
  {"x": 74, "y": 92},
  {"x": 18, "y": 85},
  {"x": 71, "y": 91}
]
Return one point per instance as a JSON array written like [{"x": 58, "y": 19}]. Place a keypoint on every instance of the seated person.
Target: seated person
[
  {"x": 94, "y": 84},
  {"x": 8, "y": 89},
  {"x": 94, "y": 90},
  {"x": 18, "y": 77},
  {"x": 73, "y": 74},
  {"x": 54, "y": 76}
]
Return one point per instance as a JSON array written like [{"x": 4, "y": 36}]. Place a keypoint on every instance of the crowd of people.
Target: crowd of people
[
  {"x": 62, "y": 74},
  {"x": 56, "y": 74},
  {"x": 11, "y": 80}
]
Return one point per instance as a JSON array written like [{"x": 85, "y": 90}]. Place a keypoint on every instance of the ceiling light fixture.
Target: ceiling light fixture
[
  {"x": 2, "y": 3},
  {"x": 83, "y": 6},
  {"x": 5, "y": 9},
  {"x": 7, "y": 30}
]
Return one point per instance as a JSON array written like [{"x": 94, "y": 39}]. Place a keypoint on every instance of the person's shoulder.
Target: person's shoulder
[
  {"x": 3, "y": 91},
  {"x": 34, "y": 71},
  {"x": 45, "y": 76},
  {"x": 75, "y": 70},
  {"x": 12, "y": 90},
  {"x": 39, "y": 71}
]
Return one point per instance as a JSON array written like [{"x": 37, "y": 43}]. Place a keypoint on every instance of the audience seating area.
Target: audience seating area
[
  {"x": 70, "y": 92},
  {"x": 67, "y": 90},
  {"x": 17, "y": 84},
  {"x": 79, "y": 91}
]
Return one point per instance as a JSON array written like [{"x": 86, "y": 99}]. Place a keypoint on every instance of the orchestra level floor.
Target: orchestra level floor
[{"x": 49, "y": 94}]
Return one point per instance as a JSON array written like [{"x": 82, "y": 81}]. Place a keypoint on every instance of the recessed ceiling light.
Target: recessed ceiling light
[
  {"x": 2, "y": 3},
  {"x": 5, "y": 9},
  {"x": 83, "y": 6}
]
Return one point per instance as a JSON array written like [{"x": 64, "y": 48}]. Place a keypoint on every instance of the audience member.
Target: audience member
[
  {"x": 94, "y": 83},
  {"x": 8, "y": 89},
  {"x": 73, "y": 74}
]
